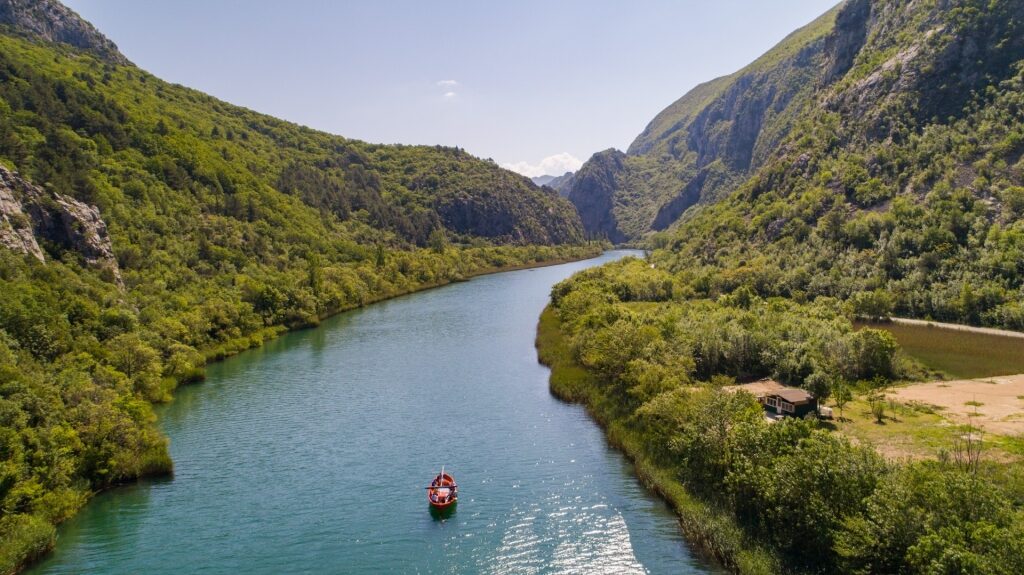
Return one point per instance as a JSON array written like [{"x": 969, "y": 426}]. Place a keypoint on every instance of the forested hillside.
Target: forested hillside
[
  {"x": 883, "y": 65},
  {"x": 146, "y": 228},
  {"x": 875, "y": 154},
  {"x": 870, "y": 165}
]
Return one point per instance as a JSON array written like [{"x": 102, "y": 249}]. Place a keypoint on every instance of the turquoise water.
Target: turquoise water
[{"x": 310, "y": 454}]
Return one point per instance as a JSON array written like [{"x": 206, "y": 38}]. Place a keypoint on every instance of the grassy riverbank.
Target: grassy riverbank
[{"x": 508, "y": 259}]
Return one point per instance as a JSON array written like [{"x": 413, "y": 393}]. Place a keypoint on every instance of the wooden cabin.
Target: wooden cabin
[
  {"x": 790, "y": 401},
  {"x": 778, "y": 399}
]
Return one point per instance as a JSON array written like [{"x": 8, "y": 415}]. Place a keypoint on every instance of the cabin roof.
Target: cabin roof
[
  {"x": 769, "y": 387},
  {"x": 794, "y": 395},
  {"x": 758, "y": 388}
]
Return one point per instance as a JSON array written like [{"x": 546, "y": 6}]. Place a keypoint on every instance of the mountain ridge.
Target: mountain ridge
[
  {"x": 561, "y": 184},
  {"x": 51, "y": 21},
  {"x": 706, "y": 141},
  {"x": 887, "y": 166}
]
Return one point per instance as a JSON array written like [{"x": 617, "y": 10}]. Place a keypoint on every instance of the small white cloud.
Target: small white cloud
[
  {"x": 555, "y": 165},
  {"x": 448, "y": 89}
]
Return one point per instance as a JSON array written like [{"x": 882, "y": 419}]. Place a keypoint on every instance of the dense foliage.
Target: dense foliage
[
  {"x": 655, "y": 354},
  {"x": 228, "y": 226}
]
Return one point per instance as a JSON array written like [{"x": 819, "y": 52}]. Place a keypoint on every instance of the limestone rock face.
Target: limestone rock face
[
  {"x": 593, "y": 193},
  {"x": 699, "y": 148},
  {"x": 881, "y": 68},
  {"x": 52, "y": 21},
  {"x": 15, "y": 225},
  {"x": 30, "y": 214},
  {"x": 562, "y": 184}
]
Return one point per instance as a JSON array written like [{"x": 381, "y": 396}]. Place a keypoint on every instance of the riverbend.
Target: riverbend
[{"x": 310, "y": 454}]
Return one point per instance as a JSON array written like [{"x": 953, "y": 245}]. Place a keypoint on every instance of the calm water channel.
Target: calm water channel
[
  {"x": 959, "y": 354},
  {"x": 309, "y": 455}
]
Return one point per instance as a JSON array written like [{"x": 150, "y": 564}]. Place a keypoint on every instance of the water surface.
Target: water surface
[
  {"x": 960, "y": 354},
  {"x": 309, "y": 455}
]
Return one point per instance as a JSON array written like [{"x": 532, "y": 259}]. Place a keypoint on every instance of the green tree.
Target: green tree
[
  {"x": 874, "y": 304},
  {"x": 812, "y": 492},
  {"x": 841, "y": 395},
  {"x": 438, "y": 240},
  {"x": 139, "y": 362},
  {"x": 315, "y": 269},
  {"x": 133, "y": 357},
  {"x": 926, "y": 519}
]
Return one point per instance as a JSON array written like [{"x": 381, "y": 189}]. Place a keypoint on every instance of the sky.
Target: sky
[{"x": 537, "y": 86}]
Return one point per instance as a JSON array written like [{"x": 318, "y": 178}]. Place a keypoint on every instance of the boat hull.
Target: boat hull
[
  {"x": 447, "y": 505},
  {"x": 443, "y": 492}
]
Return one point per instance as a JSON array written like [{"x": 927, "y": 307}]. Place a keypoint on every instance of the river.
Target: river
[{"x": 309, "y": 455}]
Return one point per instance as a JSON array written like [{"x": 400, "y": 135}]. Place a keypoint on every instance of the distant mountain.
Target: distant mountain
[{"x": 561, "y": 184}]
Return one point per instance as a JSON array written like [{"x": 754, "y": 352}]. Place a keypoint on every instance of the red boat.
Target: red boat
[{"x": 443, "y": 492}]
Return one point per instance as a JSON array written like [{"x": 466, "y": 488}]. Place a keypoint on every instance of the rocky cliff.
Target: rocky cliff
[
  {"x": 54, "y": 22},
  {"x": 593, "y": 192},
  {"x": 899, "y": 173},
  {"x": 30, "y": 217},
  {"x": 705, "y": 142},
  {"x": 884, "y": 68}
]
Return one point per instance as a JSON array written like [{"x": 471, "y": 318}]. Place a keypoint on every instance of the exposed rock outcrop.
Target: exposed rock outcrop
[
  {"x": 507, "y": 217},
  {"x": 845, "y": 42},
  {"x": 30, "y": 215},
  {"x": 52, "y": 21},
  {"x": 884, "y": 68},
  {"x": 934, "y": 72},
  {"x": 698, "y": 148},
  {"x": 15, "y": 225},
  {"x": 593, "y": 192}
]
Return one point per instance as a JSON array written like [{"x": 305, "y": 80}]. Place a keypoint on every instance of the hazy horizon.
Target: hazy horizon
[{"x": 537, "y": 88}]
